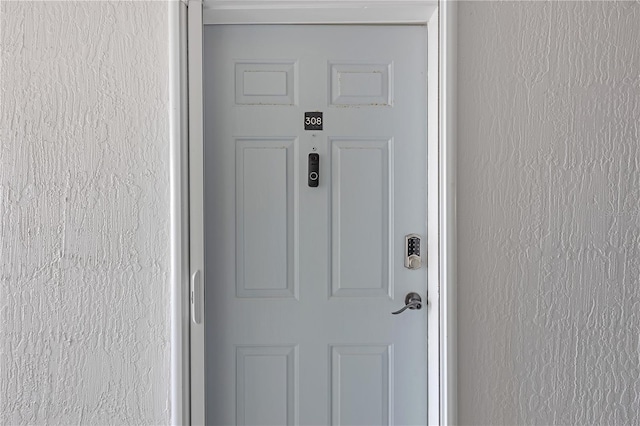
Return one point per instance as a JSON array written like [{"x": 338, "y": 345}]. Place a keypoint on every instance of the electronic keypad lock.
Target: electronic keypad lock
[{"x": 412, "y": 257}]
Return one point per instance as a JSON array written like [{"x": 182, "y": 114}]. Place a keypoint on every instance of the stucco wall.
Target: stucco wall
[
  {"x": 549, "y": 213},
  {"x": 549, "y": 229},
  {"x": 84, "y": 335}
]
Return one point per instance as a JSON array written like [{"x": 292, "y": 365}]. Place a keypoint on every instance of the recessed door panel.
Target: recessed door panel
[
  {"x": 361, "y": 189},
  {"x": 264, "y": 211},
  {"x": 266, "y": 385},
  {"x": 357, "y": 84},
  {"x": 265, "y": 83},
  {"x": 354, "y": 368}
]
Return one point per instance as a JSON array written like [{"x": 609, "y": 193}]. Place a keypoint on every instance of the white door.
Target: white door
[{"x": 301, "y": 280}]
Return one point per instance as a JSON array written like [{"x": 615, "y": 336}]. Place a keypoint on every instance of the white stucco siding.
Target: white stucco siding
[
  {"x": 84, "y": 250},
  {"x": 549, "y": 212}
]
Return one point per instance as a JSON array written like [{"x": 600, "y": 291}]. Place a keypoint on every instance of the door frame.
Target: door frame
[{"x": 186, "y": 21}]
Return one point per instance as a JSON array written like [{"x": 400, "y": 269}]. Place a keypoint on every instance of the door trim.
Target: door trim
[
  {"x": 186, "y": 175},
  {"x": 447, "y": 265},
  {"x": 318, "y": 12},
  {"x": 179, "y": 214}
]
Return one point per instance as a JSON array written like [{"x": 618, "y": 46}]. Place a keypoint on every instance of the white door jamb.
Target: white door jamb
[
  {"x": 447, "y": 141},
  {"x": 179, "y": 223}
]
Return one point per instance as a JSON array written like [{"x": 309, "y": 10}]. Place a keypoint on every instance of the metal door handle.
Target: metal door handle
[{"x": 412, "y": 301}]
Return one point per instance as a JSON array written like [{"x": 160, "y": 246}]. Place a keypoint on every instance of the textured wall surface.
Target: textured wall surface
[
  {"x": 549, "y": 213},
  {"x": 84, "y": 256}
]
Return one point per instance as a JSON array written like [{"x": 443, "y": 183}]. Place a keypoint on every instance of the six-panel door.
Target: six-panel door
[{"x": 301, "y": 280}]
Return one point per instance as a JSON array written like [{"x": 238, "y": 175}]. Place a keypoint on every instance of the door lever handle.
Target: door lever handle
[{"x": 412, "y": 301}]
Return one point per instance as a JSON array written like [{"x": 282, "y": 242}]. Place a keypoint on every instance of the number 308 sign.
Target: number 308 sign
[{"x": 313, "y": 121}]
